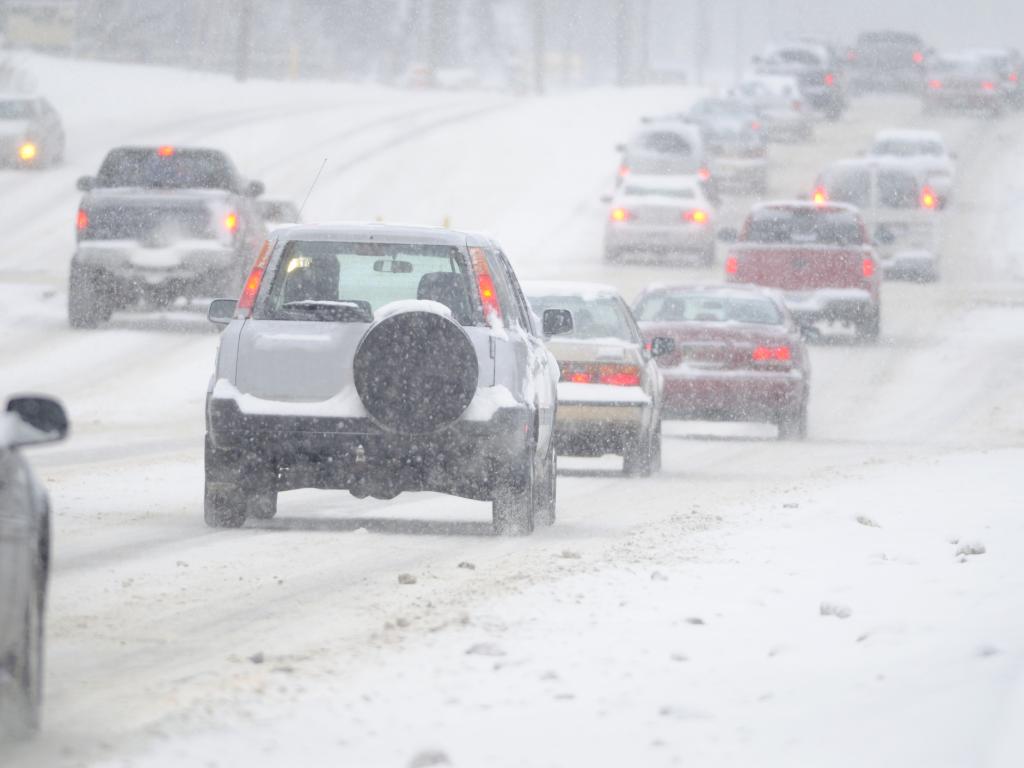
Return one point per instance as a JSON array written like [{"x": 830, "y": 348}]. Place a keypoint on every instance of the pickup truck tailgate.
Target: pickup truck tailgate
[{"x": 798, "y": 268}]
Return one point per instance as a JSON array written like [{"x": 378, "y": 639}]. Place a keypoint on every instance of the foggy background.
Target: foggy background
[{"x": 500, "y": 43}]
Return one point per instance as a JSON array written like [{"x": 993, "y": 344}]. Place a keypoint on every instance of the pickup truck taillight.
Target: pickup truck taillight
[
  {"x": 82, "y": 222},
  {"x": 867, "y": 267},
  {"x": 252, "y": 284},
  {"x": 732, "y": 265},
  {"x": 603, "y": 373}
]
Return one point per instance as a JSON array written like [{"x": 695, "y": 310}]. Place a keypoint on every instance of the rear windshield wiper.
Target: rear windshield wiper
[{"x": 344, "y": 311}]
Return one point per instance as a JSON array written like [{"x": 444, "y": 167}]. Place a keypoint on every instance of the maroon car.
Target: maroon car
[
  {"x": 739, "y": 356},
  {"x": 819, "y": 255}
]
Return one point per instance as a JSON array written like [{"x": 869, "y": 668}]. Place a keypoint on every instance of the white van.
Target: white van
[{"x": 899, "y": 208}]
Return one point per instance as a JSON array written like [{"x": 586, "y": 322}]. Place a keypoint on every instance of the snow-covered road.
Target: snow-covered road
[{"x": 292, "y": 641}]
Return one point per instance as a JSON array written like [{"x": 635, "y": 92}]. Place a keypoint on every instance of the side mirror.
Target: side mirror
[
  {"x": 221, "y": 311},
  {"x": 85, "y": 183},
  {"x": 728, "y": 235},
  {"x": 255, "y": 189},
  {"x": 662, "y": 345},
  {"x": 557, "y": 322},
  {"x": 38, "y": 420}
]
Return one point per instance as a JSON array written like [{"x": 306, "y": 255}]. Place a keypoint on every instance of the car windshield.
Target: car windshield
[
  {"x": 166, "y": 168},
  {"x": 898, "y": 190},
  {"x": 593, "y": 318},
  {"x": 665, "y": 143},
  {"x": 681, "y": 193},
  {"x": 803, "y": 226},
  {"x": 314, "y": 275},
  {"x": 707, "y": 307},
  {"x": 16, "y": 109},
  {"x": 908, "y": 148}
]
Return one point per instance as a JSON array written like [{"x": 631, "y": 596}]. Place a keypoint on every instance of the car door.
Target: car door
[{"x": 15, "y": 525}]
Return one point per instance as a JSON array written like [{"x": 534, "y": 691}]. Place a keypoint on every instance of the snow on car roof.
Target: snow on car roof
[
  {"x": 884, "y": 161},
  {"x": 569, "y": 288},
  {"x": 718, "y": 289},
  {"x": 830, "y": 206},
  {"x": 908, "y": 134},
  {"x": 665, "y": 181},
  {"x": 368, "y": 232}
]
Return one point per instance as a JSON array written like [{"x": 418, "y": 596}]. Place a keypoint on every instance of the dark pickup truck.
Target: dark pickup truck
[
  {"x": 819, "y": 256},
  {"x": 159, "y": 223}
]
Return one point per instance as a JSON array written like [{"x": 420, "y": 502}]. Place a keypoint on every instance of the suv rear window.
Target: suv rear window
[
  {"x": 601, "y": 318},
  {"x": 665, "y": 143},
  {"x": 167, "y": 169},
  {"x": 315, "y": 280},
  {"x": 898, "y": 190},
  {"x": 848, "y": 185},
  {"x": 17, "y": 109},
  {"x": 803, "y": 226}
]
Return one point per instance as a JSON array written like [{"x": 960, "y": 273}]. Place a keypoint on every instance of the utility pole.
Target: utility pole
[
  {"x": 244, "y": 32},
  {"x": 623, "y": 43},
  {"x": 539, "y": 54},
  {"x": 702, "y": 45},
  {"x": 644, "y": 41}
]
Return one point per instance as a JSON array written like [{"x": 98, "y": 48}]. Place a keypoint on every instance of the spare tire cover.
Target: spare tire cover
[{"x": 415, "y": 371}]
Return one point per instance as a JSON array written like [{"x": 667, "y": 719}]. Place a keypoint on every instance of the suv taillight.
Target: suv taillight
[
  {"x": 485, "y": 284},
  {"x": 252, "y": 284},
  {"x": 82, "y": 222}
]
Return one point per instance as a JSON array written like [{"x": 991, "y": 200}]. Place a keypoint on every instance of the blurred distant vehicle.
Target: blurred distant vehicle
[
  {"x": 780, "y": 105},
  {"x": 450, "y": 78},
  {"x": 738, "y": 355},
  {"x": 818, "y": 254},
  {"x": 24, "y": 560},
  {"x": 887, "y": 60},
  {"x": 736, "y": 144},
  {"x": 609, "y": 394},
  {"x": 1010, "y": 66},
  {"x": 660, "y": 215},
  {"x": 31, "y": 134},
  {"x": 669, "y": 145},
  {"x": 820, "y": 78},
  {"x": 898, "y": 206},
  {"x": 279, "y": 213},
  {"x": 965, "y": 82},
  {"x": 159, "y": 223},
  {"x": 927, "y": 151}
]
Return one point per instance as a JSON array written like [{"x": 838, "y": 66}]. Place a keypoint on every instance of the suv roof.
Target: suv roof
[{"x": 369, "y": 232}]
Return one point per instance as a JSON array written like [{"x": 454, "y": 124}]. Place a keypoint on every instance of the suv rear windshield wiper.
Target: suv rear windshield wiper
[{"x": 343, "y": 311}]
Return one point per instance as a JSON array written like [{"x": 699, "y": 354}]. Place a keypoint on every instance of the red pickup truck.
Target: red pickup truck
[{"x": 819, "y": 255}]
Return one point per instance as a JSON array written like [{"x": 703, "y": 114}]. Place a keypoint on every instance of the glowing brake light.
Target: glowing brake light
[
  {"x": 867, "y": 267},
  {"x": 1013, "y": 77},
  {"x": 988, "y": 86},
  {"x": 928, "y": 199},
  {"x": 732, "y": 265},
  {"x": 780, "y": 354},
  {"x": 918, "y": 57},
  {"x": 697, "y": 216},
  {"x": 165, "y": 151},
  {"x": 485, "y": 285},
  {"x": 830, "y": 79},
  {"x": 623, "y": 170},
  {"x": 820, "y": 197},
  {"x": 82, "y": 222},
  {"x": 614, "y": 374},
  {"x": 704, "y": 174},
  {"x": 935, "y": 85},
  {"x": 231, "y": 222},
  {"x": 755, "y": 126},
  {"x": 28, "y": 151},
  {"x": 620, "y": 214},
  {"x": 252, "y": 284}
]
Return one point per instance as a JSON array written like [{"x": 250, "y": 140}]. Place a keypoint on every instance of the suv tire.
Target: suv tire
[
  {"x": 27, "y": 671},
  {"x": 514, "y": 503},
  {"x": 546, "y": 489}
]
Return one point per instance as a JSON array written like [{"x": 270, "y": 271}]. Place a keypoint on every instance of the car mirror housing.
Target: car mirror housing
[
  {"x": 662, "y": 345},
  {"x": 221, "y": 311},
  {"x": 85, "y": 183},
  {"x": 557, "y": 322},
  {"x": 37, "y": 420},
  {"x": 255, "y": 189}
]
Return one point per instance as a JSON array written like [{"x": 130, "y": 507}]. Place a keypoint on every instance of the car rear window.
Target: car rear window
[
  {"x": 797, "y": 56},
  {"x": 16, "y": 109},
  {"x": 600, "y": 318},
  {"x": 848, "y": 185},
  {"x": 702, "y": 307},
  {"x": 166, "y": 168},
  {"x": 665, "y": 143},
  {"x": 313, "y": 277},
  {"x": 907, "y": 148},
  {"x": 898, "y": 190},
  {"x": 803, "y": 226},
  {"x": 638, "y": 191}
]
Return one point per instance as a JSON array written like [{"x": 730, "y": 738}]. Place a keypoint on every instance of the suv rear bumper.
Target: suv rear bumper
[
  {"x": 464, "y": 458},
  {"x": 850, "y": 305}
]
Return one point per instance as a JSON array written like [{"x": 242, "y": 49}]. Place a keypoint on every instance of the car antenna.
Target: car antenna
[{"x": 311, "y": 186}]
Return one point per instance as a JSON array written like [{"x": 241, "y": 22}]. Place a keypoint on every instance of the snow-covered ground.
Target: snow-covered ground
[{"x": 693, "y": 618}]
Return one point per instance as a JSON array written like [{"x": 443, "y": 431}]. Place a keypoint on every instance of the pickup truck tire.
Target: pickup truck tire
[
  {"x": 514, "y": 505},
  {"x": 546, "y": 489},
  {"x": 415, "y": 372},
  {"x": 870, "y": 327},
  {"x": 89, "y": 303}
]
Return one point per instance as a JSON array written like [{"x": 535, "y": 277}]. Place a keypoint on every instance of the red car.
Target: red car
[
  {"x": 819, "y": 255},
  {"x": 739, "y": 356}
]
